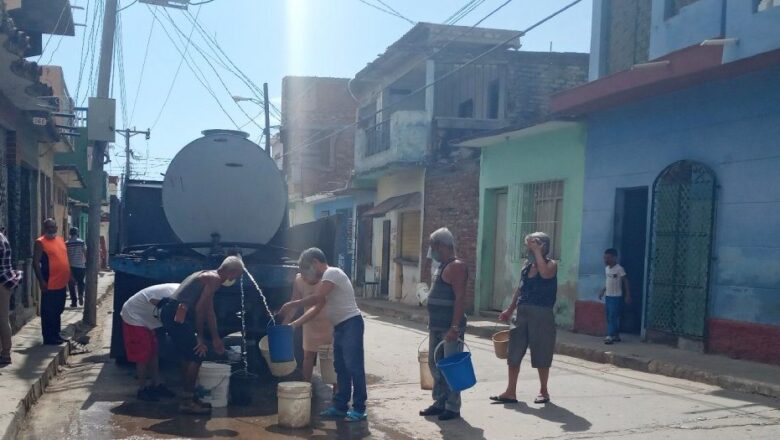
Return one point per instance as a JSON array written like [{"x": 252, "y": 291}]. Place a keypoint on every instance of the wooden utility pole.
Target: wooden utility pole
[
  {"x": 96, "y": 184},
  {"x": 266, "y": 109}
]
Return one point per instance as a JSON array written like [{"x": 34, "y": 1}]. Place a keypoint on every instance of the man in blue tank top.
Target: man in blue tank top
[{"x": 446, "y": 320}]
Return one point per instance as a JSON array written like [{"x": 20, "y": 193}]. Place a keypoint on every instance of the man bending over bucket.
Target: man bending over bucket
[
  {"x": 335, "y": 289},
  {"x": 139, "y": 322},
  {"x": 185, "y": 315},
  {"x": 446, "y": 320}
]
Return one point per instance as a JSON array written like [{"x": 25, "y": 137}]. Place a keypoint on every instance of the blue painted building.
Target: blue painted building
[{"x": 681, "y": 177}]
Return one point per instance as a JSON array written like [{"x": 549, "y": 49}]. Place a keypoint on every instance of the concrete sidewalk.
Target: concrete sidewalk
[
  {"x": 34, "y": 364},
  {"x": 727, "y": 373}
]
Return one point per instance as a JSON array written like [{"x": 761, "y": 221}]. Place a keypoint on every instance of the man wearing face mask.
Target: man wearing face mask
[
  {"x": 52, "y": 269},
  {"x": 185, "y": 315},
  {"x": 446, "y": 320}
]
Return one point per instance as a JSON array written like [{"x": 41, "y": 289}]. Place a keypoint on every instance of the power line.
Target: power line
[
  {"x": 217, "y": 49},
  {"x": 175, "y": 75},
  {"x": 386, "y": 11},
  {"x": 143, "y": 68},
  {"x": 444, "y": 76},
  {"x": 467, "y": 11},
  {"x": 65, "y": 6},
  {"x": 194, "y": 69},
  {"x": 214, "y": 69},
  {"x": 82, "y": 59}
]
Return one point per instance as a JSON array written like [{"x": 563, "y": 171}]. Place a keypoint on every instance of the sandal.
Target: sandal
[
  {"x": 541, "y": 398},
  {"x": 333, "y": 413},
  {"x": 355, "y": 416},
  {"x": 499, "y": 399}
]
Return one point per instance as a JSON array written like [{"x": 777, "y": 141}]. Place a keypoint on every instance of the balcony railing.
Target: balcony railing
[{"x": 378, "y": 138}]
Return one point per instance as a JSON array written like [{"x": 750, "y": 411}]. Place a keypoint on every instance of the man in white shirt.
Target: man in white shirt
[
  {"x": 335, "y": 290},
  {"x": 138, "y": 329},
  {"x": 614, "y": 288}
]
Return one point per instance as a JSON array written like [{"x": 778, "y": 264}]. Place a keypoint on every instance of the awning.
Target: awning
[
  {"x": 411, "y": 200},
  {"x": 70, "y": 175}
]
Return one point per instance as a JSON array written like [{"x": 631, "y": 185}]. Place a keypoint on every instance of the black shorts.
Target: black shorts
[{"x": 182, "y": 335}]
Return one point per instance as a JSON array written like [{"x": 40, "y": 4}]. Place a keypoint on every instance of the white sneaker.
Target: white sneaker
[{"x": 608, "y": 340}]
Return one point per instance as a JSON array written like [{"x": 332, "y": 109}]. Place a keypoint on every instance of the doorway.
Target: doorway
[
  {"x": 384, "y": 288},
  {"x": 631, "y": 205},
  {"x": 680, "y": 250},
  {"x": 501, "y": 280}
]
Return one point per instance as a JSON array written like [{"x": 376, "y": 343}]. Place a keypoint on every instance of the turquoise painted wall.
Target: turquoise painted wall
[{"x": 556, "y": 154}]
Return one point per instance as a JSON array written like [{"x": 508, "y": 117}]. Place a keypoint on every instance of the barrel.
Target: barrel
[
  {"x": 280, "y": 343},
  {"x": 294, "y": 399},
  {"x": 215, "y": 379}
]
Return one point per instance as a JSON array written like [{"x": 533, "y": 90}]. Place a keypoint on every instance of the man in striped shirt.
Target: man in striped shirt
[
  {"x": 9, "y": 279},
  {"x": 77, "y": 256}
]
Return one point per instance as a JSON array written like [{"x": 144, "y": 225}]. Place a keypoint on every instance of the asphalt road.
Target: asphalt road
[{"x": 94, "y": 399}]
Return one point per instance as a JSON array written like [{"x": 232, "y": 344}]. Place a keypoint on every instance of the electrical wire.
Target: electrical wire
[
  {"x": 125, "y": 7},
  {"x": 443, "y": 77},
  {"x": 193, "y": 69},
  {"x": 386, "y": 11},
  {"x": 65, "y": 6},
  {"x": 82, "y": 58},
  {"x": 214, "y": 69},
  {"x": 143, "y": 68},
  {"x": 217, "y": 49}
]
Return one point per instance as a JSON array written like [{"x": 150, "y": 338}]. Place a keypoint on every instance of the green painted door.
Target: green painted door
[
  {"x": 680, "y": 249},
  {"x": 502, "y": 283}
]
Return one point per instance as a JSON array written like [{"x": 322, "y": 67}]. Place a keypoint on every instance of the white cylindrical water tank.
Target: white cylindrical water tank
[{"x": 224, "y": 183}]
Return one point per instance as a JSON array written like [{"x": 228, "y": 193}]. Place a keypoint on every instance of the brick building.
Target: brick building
[{"x": 417, "y": 99}]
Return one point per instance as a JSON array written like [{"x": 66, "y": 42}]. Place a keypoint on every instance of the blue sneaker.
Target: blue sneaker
[
  {"x": 333, "y": 413},
  {"x": 355, "y": 416}
]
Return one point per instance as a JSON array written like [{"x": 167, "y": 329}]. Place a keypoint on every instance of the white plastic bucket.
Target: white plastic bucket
[
  {"x": 325, "y": 361},
  {"x": 278, "y": 369},
  {"x": 215, "y": 378},
  {"x": 294, "y": 404}
]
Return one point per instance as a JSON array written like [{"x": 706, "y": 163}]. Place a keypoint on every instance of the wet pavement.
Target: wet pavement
[{"x": 94, "y": 399}]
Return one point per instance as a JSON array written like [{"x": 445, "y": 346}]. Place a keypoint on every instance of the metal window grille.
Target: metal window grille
[
  {"x": 378, "y": 138},
  {"x": 681, "y": 244},
  {"x": 536, "y": 207}
]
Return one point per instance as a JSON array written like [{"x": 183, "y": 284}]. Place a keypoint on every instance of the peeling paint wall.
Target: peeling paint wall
[
  {"x": 732, "y": 126},
  {"x": 553, "y": 155},
  {"x": 409, "y": 139},
  {"x": 404, "y": 277}
]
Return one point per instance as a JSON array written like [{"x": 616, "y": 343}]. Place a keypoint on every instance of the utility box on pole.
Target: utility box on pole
[{"x": 101, "y": 119}]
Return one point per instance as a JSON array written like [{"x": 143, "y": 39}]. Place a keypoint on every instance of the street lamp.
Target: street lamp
[{"x": 243, "y": 99}]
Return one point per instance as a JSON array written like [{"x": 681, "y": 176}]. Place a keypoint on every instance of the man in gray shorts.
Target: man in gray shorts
[{"x": 535, "y": 321}]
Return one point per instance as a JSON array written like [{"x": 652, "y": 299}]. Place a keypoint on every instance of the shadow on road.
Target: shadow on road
[
  {"x": 569, "y": 421},
  {"x": 460, "y": 428},
  {"x": 190, "y": 427}
]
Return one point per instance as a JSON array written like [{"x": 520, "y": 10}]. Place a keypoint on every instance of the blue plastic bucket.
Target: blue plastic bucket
[
  {"x": 280, "y": 343},
  {"x": 457, "y": 370}
]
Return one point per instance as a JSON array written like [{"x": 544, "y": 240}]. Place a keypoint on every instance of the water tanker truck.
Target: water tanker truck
[{"x": 222, "y": 194}]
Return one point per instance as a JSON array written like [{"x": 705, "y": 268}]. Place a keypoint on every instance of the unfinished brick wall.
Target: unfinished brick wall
[
  {"x": 313, "y": 109},
  {"x": 533, "y": 77},
  {"x": 451, "y": 200}
]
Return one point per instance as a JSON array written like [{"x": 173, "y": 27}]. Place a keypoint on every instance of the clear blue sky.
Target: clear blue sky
[{"x": 269, "y": 39}]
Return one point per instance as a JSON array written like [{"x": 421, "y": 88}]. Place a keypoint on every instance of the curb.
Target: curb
[
  {"x": 38, "y": 387},
  {"x": 637, "y": 363}
]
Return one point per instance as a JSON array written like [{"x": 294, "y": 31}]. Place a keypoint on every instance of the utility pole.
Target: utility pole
[
  {"x": 96, "y": 174},
  {"x": 266, "y": 108},
  {"x": 127, "y": 134}
]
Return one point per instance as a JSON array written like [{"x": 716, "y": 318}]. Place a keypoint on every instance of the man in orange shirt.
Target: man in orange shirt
[{"x": 52, "y": 269}]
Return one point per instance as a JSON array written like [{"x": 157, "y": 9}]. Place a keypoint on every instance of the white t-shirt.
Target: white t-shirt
[
  {"x": 341, "y": 300},
  {"x": 139, "y": 311},
  {"x": 615, "y": 276}
]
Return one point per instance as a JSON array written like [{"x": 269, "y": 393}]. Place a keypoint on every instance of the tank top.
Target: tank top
[
  {"x": 55, "y": 268},
  {"x": 537, "y": 291},
  {"x": 441, "y": 303},
  {"x": 189, "y": 292}
]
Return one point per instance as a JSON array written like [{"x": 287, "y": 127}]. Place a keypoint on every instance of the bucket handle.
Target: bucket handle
[
  {"x": 441, "y": 345},
  {"x": 422, "y": 343},
  {"x": 209, "y": 390}
]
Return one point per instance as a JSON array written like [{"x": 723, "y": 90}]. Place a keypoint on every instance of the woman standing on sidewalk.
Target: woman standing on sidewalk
[{"x": 535, "y": 321}]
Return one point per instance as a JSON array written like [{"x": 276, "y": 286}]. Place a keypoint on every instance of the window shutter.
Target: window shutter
[{"x": 410, "y": 235}]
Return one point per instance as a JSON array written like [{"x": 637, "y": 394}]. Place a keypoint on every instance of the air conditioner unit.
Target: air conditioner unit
[{"x": 178, "y": 4}]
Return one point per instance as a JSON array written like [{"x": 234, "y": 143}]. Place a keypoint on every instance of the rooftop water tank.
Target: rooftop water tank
[{"x": 226, "y": 184}]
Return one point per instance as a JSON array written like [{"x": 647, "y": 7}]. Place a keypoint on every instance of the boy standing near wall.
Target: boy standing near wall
[{"x": 616, "y": 284}]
